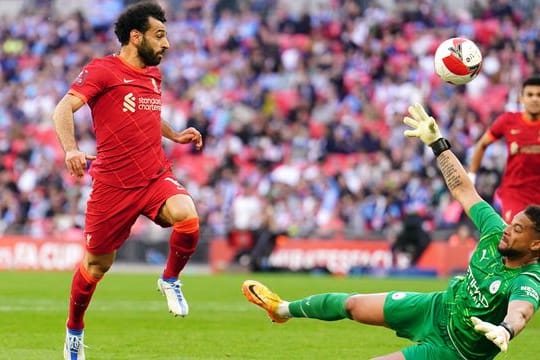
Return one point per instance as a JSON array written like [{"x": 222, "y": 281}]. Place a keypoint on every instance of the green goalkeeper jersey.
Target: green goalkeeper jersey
[{"x": 487, "y": 288}]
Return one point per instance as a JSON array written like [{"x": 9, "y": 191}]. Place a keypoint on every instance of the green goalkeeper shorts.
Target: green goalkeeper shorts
[{"x": 420, "y": 317}]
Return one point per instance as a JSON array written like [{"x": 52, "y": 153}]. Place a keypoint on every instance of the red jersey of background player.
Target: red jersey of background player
[
  {"x": 522, "y": 172},
  {"x": 126, "y": 111}
]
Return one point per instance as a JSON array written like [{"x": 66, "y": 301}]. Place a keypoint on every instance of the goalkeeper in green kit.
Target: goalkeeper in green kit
[{"x": 478, "y": 314}]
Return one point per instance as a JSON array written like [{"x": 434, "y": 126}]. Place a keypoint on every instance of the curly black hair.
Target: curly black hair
[
  {"x": 532, "y": 81},
  {"x": 136, "y": 17},
  {"x": 533, "y": 213}
]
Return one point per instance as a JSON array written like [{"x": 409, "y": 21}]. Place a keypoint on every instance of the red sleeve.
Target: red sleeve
[
  {"x": 498, "y": 128},
  {"x": 90, "y": 82}
]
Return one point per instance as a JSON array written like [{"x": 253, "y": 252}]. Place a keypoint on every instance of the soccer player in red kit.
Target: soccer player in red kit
[
  {"x": 521, "y": 131},
  {"x": 131, "y": 175}
]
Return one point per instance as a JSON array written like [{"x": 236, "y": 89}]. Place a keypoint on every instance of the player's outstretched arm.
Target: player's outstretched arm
[
  {"x": 478, "y": 154},
  {"x": 519, "y": 313},
  {"x": 425, "y": 128},
  {"x": 65, "y": 131},
  {"x": 497, "y": 334},
  {"x": 189, "y": 135}
]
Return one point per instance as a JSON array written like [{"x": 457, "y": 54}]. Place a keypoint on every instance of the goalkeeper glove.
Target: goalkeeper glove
[
  {"x": 497, "y": 334},
  {"x": 424, "y": 126}
]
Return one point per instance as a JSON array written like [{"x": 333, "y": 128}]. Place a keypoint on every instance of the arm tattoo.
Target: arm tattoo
[{"x": 450, "y": 171}]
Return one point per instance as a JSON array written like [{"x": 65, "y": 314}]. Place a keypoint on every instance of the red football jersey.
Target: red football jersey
[
  {"x": 126, "y": 111},
  {"x": 522, "y": 172}
]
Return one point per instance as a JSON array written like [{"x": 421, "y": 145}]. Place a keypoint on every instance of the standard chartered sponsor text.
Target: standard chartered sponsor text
[{"x": 151, "y": 104}]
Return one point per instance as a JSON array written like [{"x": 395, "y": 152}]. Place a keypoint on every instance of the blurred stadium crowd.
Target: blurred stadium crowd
[{"x": 300, "y": 104}]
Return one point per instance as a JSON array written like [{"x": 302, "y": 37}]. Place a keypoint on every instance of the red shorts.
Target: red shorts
[
  {"x": 512, "y": 202},
  {"x": 510, "y": 207},
  {"x": 112, "y": 211}
]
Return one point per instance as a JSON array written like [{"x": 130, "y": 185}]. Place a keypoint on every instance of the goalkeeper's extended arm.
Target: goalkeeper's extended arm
[
  {"x": 518, "y": 314},
  {"x": 425, "y": 128},
  {"x": 500, "y": 334}
]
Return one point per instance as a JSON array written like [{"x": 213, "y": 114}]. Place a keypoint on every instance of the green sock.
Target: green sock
[{"x": 329, "y": 307}]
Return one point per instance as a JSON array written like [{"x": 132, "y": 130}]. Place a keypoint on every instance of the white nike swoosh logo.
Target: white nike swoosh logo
[{"x": 128, "y": 81}]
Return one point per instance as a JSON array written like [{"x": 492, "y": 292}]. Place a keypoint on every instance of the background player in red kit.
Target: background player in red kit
[
  {"x": 131, "y": 175},
  {"x": 521, "y": 131}
]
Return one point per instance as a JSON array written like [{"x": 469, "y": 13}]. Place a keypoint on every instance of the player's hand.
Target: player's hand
[
  {"x": 189, "y": 135},
  {"x": 76, "y": 162},
  {"x": 424, "y": 126},
  {"x": 494, "y": 333}
]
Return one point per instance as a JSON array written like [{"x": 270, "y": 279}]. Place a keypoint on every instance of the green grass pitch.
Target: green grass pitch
[{"x": 128, "y": 319}]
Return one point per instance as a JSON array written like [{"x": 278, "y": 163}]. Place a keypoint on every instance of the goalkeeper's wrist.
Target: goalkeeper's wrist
[
  {"x": 440, "y": 145},
  {"x": 508, "y": 328}
]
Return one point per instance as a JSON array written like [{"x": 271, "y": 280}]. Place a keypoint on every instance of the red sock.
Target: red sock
[
  {"x": 182, "y": 244},
  {"x": 82, "y": 288}
]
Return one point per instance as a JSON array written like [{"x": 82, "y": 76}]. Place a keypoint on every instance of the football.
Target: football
[{"x": 458, "y": 60}]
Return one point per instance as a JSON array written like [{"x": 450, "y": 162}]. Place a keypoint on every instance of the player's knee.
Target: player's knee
[
  {"x": 98, "y": 271},
  {"x": 366, "y": 308},
  {"x": 351, "y": 305},
  {"x": 98, "y": 267},
  {"x": 358, "y": 309},
  {"x": 181, "y": 214},
  {"x": 177, "y": 209}
]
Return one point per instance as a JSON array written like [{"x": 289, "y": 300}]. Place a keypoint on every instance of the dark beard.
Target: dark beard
[
  {"x": 509, "y": 253},
  {"x": 147, "y": 55}
]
